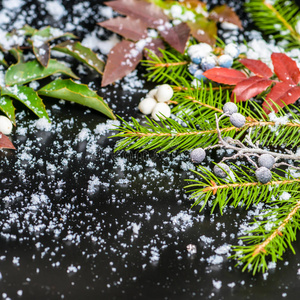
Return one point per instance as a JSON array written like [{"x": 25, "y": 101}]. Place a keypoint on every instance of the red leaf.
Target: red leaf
[
  {"x": 5, "y": 142},
  {"x": 250, "y": 87},
  {"x": 282, "y": 91},
  {"x": 285, "y": 68},
  {"x": 224, "y": 75},
  {"x": 176, "y": 36},
  {"x": 129, "y": 28},
  {"x": 154, "y": 46},
  {"x": 148, "y": 13},
  {"x": 121, "y": 60},
  {"x": 224, "y": 13},
  {"x": 203, "y": 30},
  {"x": 258, "y": 67}
]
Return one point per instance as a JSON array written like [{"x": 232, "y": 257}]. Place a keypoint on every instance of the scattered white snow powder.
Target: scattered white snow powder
[
  {"x": 217, "y": 284},
  {"x": 285, "y": 196},
  {"x": 56, "y": 9},
  {"x": 43, "y": 124}
]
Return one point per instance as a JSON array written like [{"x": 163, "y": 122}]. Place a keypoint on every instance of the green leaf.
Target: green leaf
[
  {"x": 67, "y": 89},
  {"x": 81, "y": 53},
  {"x": 2, "y": 60},
  {"x": 27, "y": 30},
  {"x": 6, "y": 105},
  {"x": 50, "y": 33},
  {"x": 25, "y": 72},
  {"x": 17, "y": 53},
  {"x": 27, "y": 96}
]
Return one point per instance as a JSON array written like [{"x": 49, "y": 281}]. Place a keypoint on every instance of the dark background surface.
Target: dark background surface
[{"x": 71, "y": 247}]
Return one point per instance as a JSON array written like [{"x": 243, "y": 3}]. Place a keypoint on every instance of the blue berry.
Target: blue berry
[
  {"x": 208, "y": 62},
  {"x": 221, "y": 170},
  {"x": 198, "y": 155},
  {"x": 196, "y": 58},
  {"x": 266, "y": 160},
  {"x": 199, "y": 75},
  {"x": 225, "y": 61},
  {"x": 230, "y": 108},
  {"x": 193, "y": 68},
  {"x": 263, "y": 175}
]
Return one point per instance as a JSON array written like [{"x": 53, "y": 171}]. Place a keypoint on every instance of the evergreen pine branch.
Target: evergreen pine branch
[
  {"x": 240, "y": 188},
  {"x": 169, "y": 66},
  {"x": 199, "y": 129},
  {"x": 278, "y": 20},
  {"x": 270, "y": 236}
]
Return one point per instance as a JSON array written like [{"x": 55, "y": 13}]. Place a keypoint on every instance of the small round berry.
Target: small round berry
[
  {"x": 232, "y": 50},
  {"x": 203, "y": 49},
  {"x": 147, "y": 105},
  {"x": 208, "y": 62},
  {"x": 196, "y": 58},
  {"x": 266, "y": 160},
  {"x": 164, "y": 93},
  {"x": 152, "y": 93},
  {"x": 161, "y": 110},
  {"x": 237, "y": 120},
  {"x": 221, "y": 170},
  {"x": 263, "y": 175},
  {"x": 193, "y": 68},
  {"x": 199, "y": 75},
  {"x": 225, "y": 61},
  {"x": 230, "y": 108},
  {"x": 197, "y": 155},
  {"x": 5, "y": 125}
]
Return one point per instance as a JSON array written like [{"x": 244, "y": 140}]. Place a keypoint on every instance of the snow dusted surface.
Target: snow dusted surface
[{"x": 78, "y": 220}]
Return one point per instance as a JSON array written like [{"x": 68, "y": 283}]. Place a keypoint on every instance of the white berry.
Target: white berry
[
  {"x": 147, "y": 105},
  {"x": 152, "y": 93},
  {"x": 232, "y": 50},
  {"x": 237, "y": 120},
  {"x": 5, "y": 125},
  {"x": 161, "y": 110},
  {"x": 164, "y": 93},
  {"x": 202, "y": 49},
  {"x": 230, "y": 108}
]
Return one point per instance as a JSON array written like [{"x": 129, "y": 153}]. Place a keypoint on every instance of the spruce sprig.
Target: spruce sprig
[
  {"x": 195, "y": 126},
  {"x": 240, "y": 188},
  {"x": 278, "y": 20},
  {"x": 271, "y": 234}
]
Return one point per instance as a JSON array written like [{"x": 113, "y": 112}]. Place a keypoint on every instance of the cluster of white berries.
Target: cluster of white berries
[
  {"x": 5, "y": 125},
  {"x": 265, "y": 161},
  {"x": 203, "y": 59},
  {"x": 155, "y": 102}
]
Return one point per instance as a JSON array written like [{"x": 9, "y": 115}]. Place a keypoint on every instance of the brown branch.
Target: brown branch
[
  {"x": 214, "y": 188},
  {"x": 261, "y": 247},
  {"x": 168, "y": 65},
  {"x": 249, "y": 124}
]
